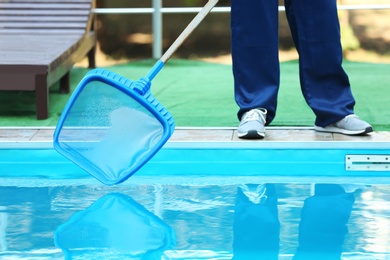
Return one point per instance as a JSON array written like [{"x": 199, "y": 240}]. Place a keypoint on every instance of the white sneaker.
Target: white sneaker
[
  {"x": 256, "y": 193},
  {"x": 349, "y": 125},
  {"x": 252, "y": 124}
]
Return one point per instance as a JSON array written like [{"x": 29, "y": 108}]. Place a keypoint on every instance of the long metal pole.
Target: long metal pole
[
  {"x": 157, "y": 10},
  {"x": 177, "y": 10},
  {"x": 157, "y": 29}
]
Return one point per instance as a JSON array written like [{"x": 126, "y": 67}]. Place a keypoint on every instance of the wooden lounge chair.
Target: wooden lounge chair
[{"x": 40, "y": 41}]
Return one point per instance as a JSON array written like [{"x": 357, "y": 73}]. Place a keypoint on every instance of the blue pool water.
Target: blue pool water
[{"x": 194, "y": 217}]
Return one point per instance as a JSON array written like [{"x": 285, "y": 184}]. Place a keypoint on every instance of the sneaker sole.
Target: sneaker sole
[
  {"x": 329, "y": 129},
  {"x": 253, "y": 134}
]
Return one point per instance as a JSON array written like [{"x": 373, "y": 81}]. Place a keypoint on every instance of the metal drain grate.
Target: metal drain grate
[{"x": 367, "y": 162}]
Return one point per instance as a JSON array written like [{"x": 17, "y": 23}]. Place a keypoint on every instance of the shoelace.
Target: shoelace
[{"x": 253, "y": 115}]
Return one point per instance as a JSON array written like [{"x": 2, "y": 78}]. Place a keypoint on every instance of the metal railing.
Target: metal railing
[{"x": 157, "y": 11}]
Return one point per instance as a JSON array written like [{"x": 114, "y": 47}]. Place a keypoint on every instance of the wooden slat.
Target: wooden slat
[
  {"x": 22, "y": 16},
  {"x": 41, "y": 6},
  {"x": 42, "y": 31},
  {"x": 44, "y": 19},
  {"x": 37, "y": 50},
  {"x": 62, "y": 12},
  {"x": 42, "y": 25},
  {"x": 46, "y": 1}
]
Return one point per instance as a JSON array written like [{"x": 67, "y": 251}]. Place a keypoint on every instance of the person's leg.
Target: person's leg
[
  {"x": 316, "y": 32},
  {"x": 254, "y": 28},
  {"x": 323, "y": 224},
  {"x": 256, "y": 227}
]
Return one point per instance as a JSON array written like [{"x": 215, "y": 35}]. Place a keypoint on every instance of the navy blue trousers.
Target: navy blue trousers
[
  {"x": 322, "y": 228},
  {"x": 315, "y": 30}
]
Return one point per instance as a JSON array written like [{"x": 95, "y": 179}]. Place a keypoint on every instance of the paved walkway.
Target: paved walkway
[
  {"x": 273, "y": 134},
  {"x": 287, "y": 154}
]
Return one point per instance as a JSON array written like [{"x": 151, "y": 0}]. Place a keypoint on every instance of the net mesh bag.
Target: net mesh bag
[{"x": 110, "y": 129}]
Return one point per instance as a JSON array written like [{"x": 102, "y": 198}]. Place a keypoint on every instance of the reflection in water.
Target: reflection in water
[
  {"x": 115, "y": 226},
  {"x": 201, "y": 215},
  {"x": 322, "y": 228}
]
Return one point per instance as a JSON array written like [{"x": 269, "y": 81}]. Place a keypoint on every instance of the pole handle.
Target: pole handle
[{"x": 188, "y": 30}]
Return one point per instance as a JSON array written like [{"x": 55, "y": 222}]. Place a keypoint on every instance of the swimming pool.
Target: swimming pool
[
  {"x": 189, "y": 221},
  {"x": 200, "y": 200}
]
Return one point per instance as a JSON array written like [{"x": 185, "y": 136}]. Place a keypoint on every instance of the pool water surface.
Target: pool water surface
[{"x": 197, "y": 218}]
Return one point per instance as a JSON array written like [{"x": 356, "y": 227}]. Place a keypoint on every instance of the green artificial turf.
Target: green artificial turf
[{"x": 201, "y": 94}]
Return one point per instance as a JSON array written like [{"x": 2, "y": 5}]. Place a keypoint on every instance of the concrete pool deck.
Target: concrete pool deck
[
  {"x": 295, "y": 153},
  {"x": 211, "y": 134}
]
